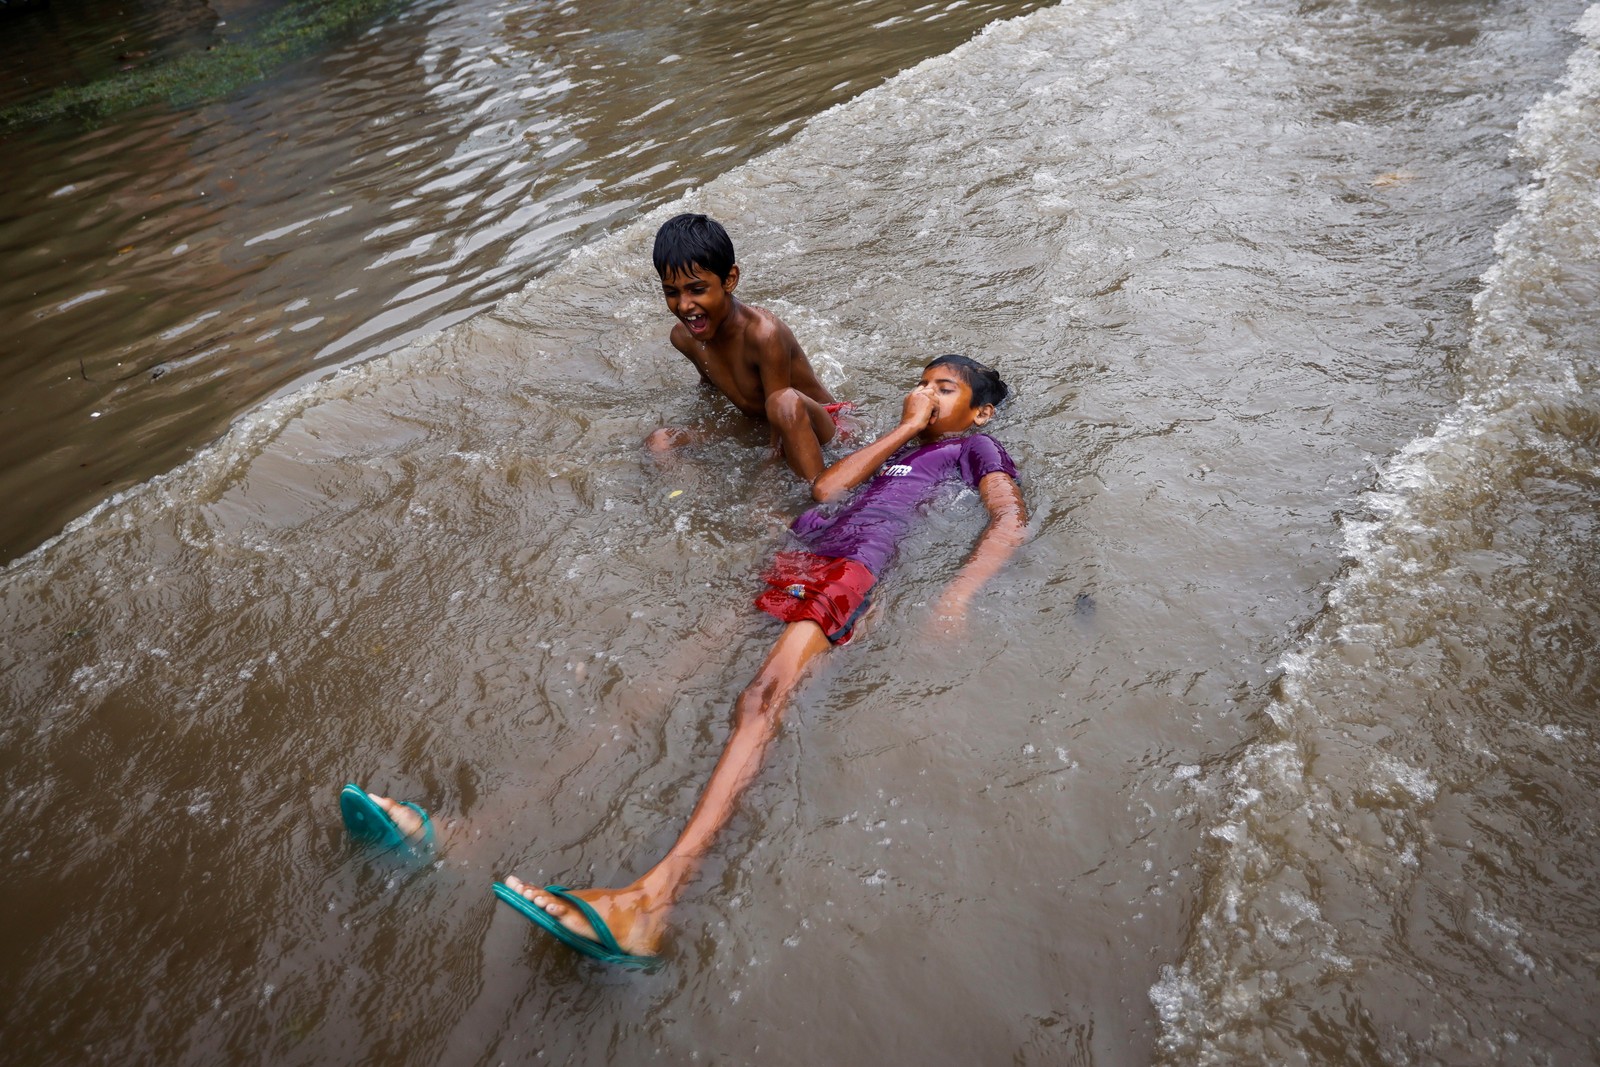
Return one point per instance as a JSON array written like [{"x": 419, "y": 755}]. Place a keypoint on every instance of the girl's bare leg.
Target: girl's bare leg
[{"x": 637, "y": 913}]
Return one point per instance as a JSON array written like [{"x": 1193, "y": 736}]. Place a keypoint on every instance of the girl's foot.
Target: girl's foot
[
  {"x": 384, "y": 822},
  {"x": 633, "y": 916}
]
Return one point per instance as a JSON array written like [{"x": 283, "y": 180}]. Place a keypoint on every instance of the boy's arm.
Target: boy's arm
[
  {"x": 1008, "y": 523},
  {"x": 781, "y": 363},
  {"x": 850, "y": 471},
  {"x": 776, "y": 349}
]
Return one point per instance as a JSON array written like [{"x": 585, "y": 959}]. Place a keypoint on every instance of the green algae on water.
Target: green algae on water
[{"x": 293, "y": 32}]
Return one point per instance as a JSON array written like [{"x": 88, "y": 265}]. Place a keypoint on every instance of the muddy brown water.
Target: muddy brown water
[
  {"x": 1273, "y": 745},
  {"x": 169, "y": 271}
]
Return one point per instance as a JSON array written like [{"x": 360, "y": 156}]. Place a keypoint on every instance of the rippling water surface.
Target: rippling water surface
[
  {"x": 1273, "y": 745},
  {"x": 169, "y": 271}
]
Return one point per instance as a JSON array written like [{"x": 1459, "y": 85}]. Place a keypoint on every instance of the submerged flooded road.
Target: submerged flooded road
[{"x": 1272, "y": 745}]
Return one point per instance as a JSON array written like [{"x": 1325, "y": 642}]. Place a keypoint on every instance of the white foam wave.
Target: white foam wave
[{"x": 1257, "y": 925}]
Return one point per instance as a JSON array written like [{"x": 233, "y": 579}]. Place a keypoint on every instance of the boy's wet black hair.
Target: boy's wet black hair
[
  {"x": 985, "y": 383},
  {"x": 687, "y": 241}
]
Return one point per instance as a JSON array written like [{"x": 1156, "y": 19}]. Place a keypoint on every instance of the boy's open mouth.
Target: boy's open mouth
[{"x": 697, "y": 323}]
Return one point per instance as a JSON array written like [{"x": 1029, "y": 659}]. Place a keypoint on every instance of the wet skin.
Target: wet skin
[
  {"x": 636, "y": 919},
  {"x": 940, "y": 405},
  {"x": 636, "y": 914},
  {"x": 407, "y": 819},
  {"x": 753, "y": 359}
]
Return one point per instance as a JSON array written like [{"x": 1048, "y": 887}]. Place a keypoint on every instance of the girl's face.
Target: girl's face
[{"x": 953, "y": 411}]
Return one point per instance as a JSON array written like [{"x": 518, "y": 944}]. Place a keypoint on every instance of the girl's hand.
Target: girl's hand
[
  {"x": 949, "y": 616},
  {"x": 919, "y": 408}
]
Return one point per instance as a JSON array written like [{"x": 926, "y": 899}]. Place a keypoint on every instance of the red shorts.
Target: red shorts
[
  {"x": 830, "y": 592},
  {"x": 843, "y": 428}
]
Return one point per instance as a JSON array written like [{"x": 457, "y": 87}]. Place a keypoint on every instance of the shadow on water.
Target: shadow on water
[
  {"x": 49, "y": 44},
  {"x": 197, "y": 60}
]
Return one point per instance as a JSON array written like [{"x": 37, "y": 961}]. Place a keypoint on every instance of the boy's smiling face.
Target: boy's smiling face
[
  {"x": 700, "y": 299},
  {"x": 953, "y": 411}
]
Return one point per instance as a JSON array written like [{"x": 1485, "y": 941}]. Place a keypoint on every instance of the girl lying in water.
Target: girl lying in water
[{"x": 820, "y": 593}]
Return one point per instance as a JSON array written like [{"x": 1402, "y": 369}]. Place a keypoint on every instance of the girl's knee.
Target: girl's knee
[{"x": 760, "y": 705}]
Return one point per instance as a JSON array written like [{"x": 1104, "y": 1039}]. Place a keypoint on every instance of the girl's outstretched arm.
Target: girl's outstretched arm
[
  {"x": 850, "y": 471},
  {"x": 1008, "y": 525}
]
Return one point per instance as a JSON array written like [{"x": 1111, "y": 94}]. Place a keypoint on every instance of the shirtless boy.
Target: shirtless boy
[
  {"x": 820, "y": 594},
  {"x": 744, "y": 351}
]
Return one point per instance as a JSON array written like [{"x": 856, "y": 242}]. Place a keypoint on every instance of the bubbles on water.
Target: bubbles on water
[
  {"x": 1178, "y": 1001},
  {"x": 1414, "y": 781},
  {"x": 1504, "y": 935},
  {"x": 95, "y": 677}
]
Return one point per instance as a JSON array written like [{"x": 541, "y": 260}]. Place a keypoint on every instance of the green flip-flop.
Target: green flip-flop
[
  {"x": 371, "y": 825},
  {"x": 606, "y": 949}
]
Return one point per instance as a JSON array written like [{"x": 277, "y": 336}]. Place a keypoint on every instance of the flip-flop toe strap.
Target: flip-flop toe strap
[
  {"x": 603, "y": 932},
  {"x": 425, "y": 839}
]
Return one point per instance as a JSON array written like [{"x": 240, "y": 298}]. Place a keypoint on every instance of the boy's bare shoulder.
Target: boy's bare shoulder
[{"x": 765, "y": 333}]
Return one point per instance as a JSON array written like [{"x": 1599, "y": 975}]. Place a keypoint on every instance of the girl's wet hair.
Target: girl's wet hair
[
  {"x": 687, "y": 241},
  {"x": 985, "y": 383}
]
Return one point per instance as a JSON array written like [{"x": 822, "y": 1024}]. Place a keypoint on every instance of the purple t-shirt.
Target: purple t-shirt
[{"x": 869, "y": 527}]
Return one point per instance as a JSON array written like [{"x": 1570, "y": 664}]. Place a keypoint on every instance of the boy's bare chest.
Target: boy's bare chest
[{"x": 736, "y": 376}]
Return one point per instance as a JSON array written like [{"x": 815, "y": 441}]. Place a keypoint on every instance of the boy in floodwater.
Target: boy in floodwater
[
  {"x": 820, "y": 594},
  {"x": 744, "y": 351}
]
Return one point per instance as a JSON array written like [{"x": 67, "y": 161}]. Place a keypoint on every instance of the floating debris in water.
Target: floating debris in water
[{"x": 1394, "y": 177}]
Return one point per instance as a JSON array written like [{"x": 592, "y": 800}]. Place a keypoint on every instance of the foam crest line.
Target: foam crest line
[{"x": 1340, "y": 817}]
